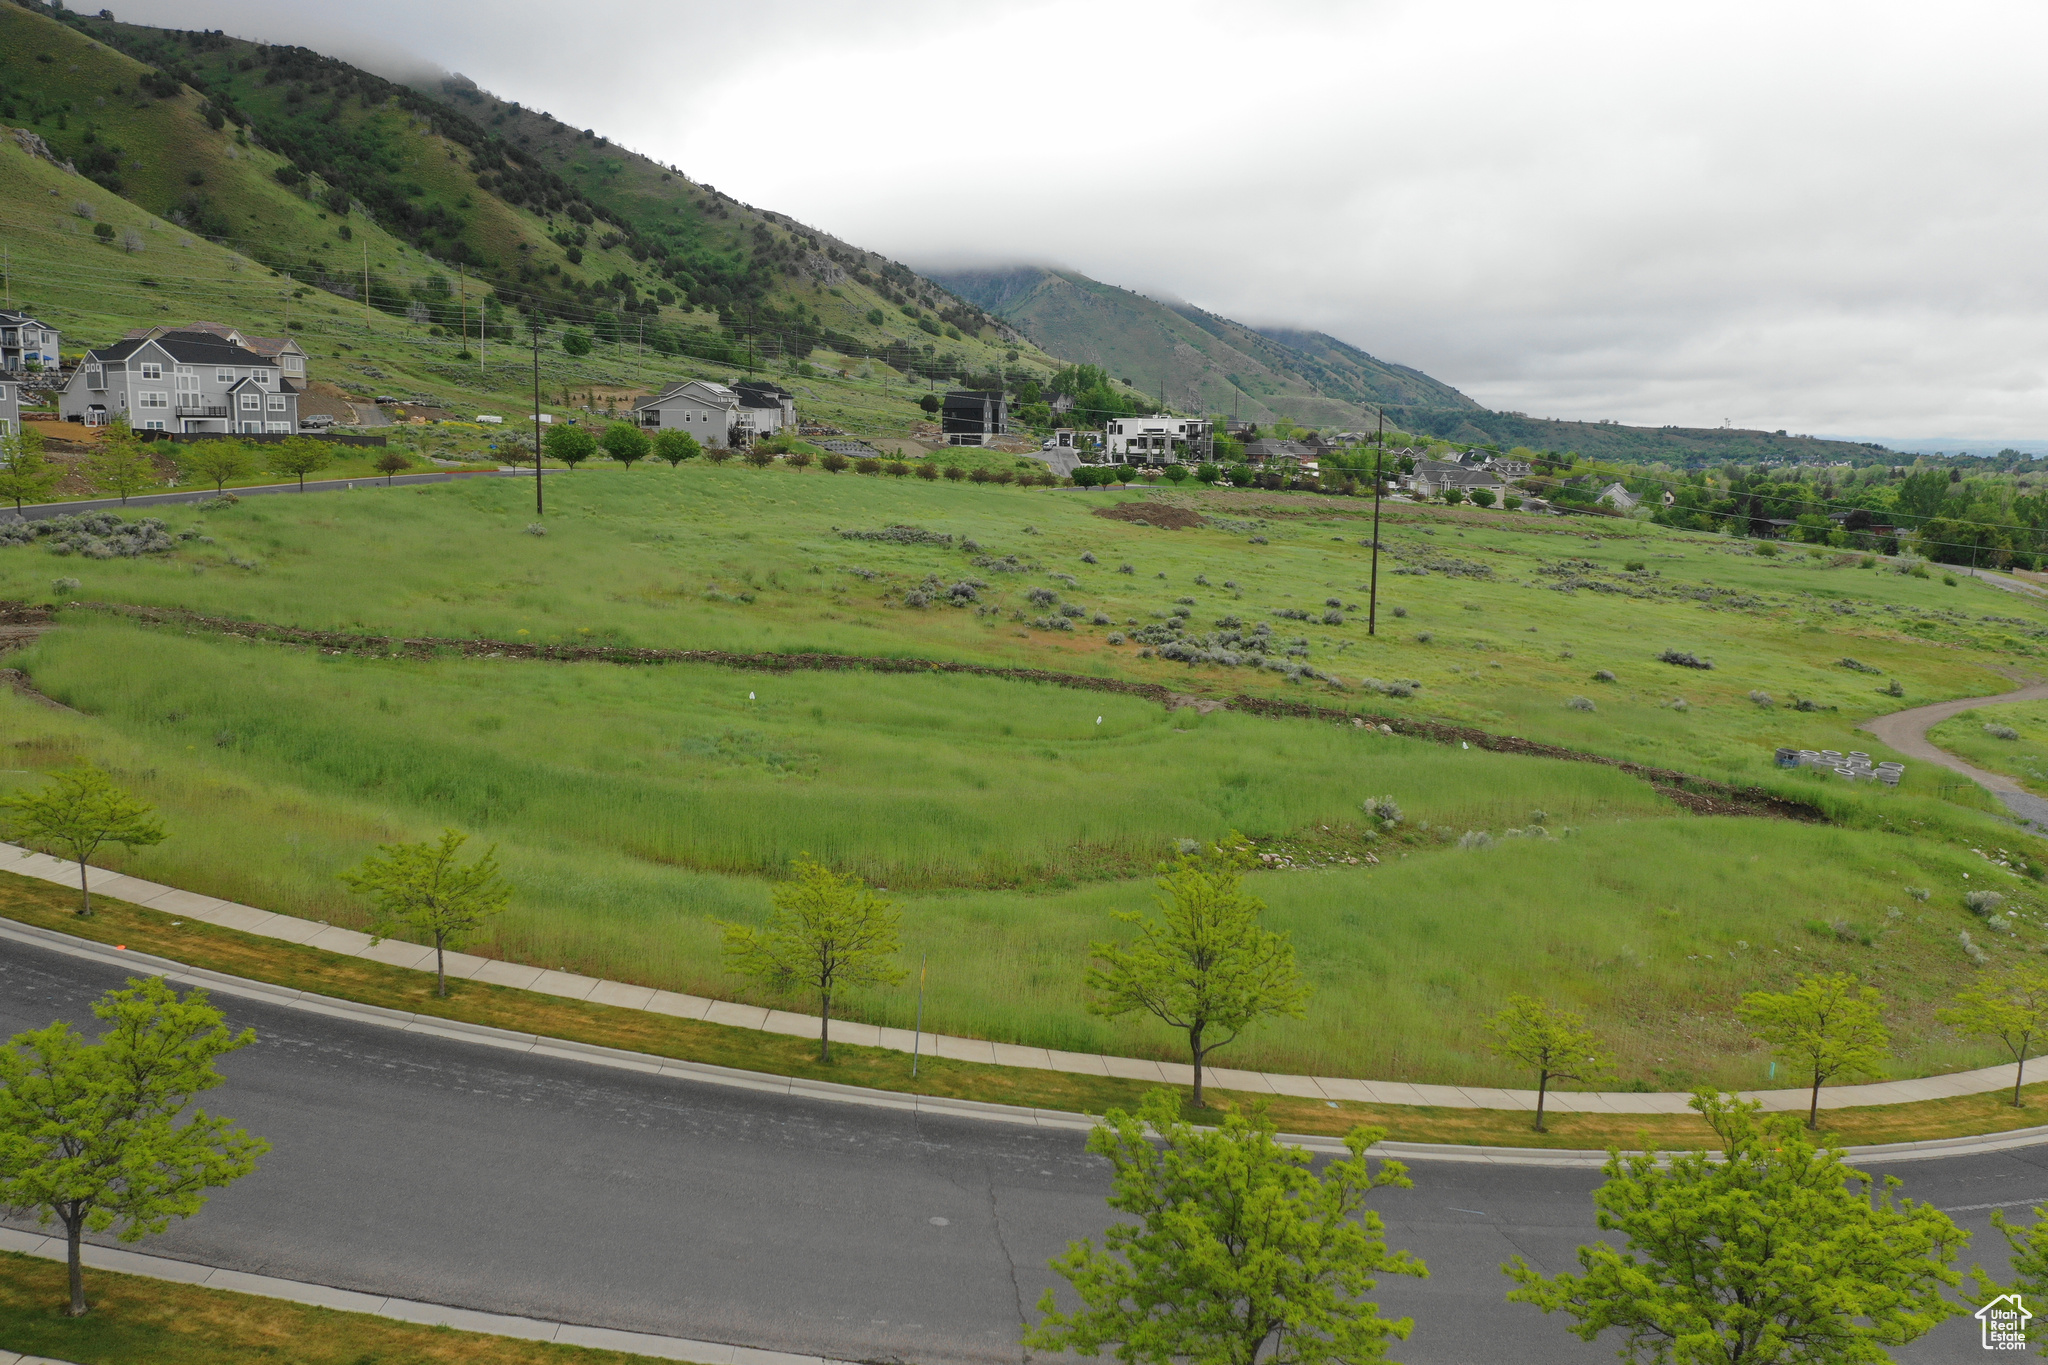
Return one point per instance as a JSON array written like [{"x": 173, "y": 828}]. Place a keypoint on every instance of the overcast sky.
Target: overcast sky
[{"x": 1825, "y": 218}]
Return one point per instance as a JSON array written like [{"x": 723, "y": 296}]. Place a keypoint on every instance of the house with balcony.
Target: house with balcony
[
  {"x": 27, "y": 344},
  {"x": 183, "y": 382},
  {"x": 290, "y": 356},
  {"x": 1156, "y": 440},
  {"x": 772, "y": 407},
  {"x": 10, "y": 406},
  {"x": 710, "y": 412}
]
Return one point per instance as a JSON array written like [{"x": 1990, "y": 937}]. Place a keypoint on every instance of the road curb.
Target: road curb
[
  {"x": 382, "y": 1306},
  {"x": 620, "y": 1059}
]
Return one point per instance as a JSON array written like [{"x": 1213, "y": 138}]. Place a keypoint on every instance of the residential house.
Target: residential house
[
  {"x": 182, "y": 382},
  {"x": 290, "y": 356},
  {"x": 1432, "y": 477},
  {"x": 1624, "y": 501},
  {"x": 10, "y": 406},
  {"x": 710, "y": 412},
  {"x": 27, "y": 344},
  {"x": 1509, "y": 469},
  {"x": 773, "y": 408},
  {"x": 1270, "y": 451},
  {"x": 1158, "y": 439},
  {"x": 969, "y": 417}
]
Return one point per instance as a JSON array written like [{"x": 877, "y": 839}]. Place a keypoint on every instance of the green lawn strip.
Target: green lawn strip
[
  {"x": 135, "y": 1319},
  {"x": 48, "y": 906}
]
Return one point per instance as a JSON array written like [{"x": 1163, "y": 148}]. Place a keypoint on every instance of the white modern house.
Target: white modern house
[
  {"x": 710, "y": 412},
  {"x": 1157, "y": 439},
  {"x": 187, "y": 382},
  {"x": 27, "y": 344}
]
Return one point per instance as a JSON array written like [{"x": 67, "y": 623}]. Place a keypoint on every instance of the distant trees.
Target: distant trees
[
  {"x": 26, "y": 475},
  {"x": 215, "y": 462},
  {"x": 2010, "y": 1006},
  {"x": 1771, "y": 1252},
  {"x": 930, "y": 403},
  {"x": 826, "y": 934},
  {"x": 78, "y": 810},
  {"x": 570, "y": 445},
  {"x": 299, "y": 457},
  {"x": 1554, "y": 1043},
  {"x": 676, "y": 446},
  {"x": 1235, "y": 1248},
  {"x": 422, "y": 887},
  {"x": 1826, "y": 1026},
  {"x": 94, "y": 1134},
  {"x": 1205, "y": 966},
  {"x": 625, "y": 443},
  {"x": 575, "y": 342}
]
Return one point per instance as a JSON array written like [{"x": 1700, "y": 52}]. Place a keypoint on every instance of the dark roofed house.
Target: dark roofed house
[
  {"x": 969, "y": 417},
  {"x": 771, "y": 406},
  {"x": 188, "y": 381},
  {"x": 289, "y": 355},
  {"x": 26, "y": 344}
]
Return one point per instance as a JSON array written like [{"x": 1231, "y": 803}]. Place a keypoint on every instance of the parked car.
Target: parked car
[{"x": 318, "y": 421}]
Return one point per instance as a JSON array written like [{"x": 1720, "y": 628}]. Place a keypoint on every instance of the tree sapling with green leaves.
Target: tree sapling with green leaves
[
  {"x": 121, "y": 465},
  {"x": 826, "y": 933},
  {"x": 91, "y": 1133},
  {"x": 424, "y": 888},
  {"x": 1826, "y": 1026},
  {"x": 1769, "y": 1252},
  {"x": 569, "y": 445},
  {"x": 74, "y": 813},
  {"x": 299, "y": 457},
  {"x": 676, "y": 446},
  {"x": 1237, "y": 1252},
  {"x": 2010, "y": 1006},
  {"x": 1205, "y": 966},
  {"x": 1554, "y": 1043},
  {"x": 215, "y": 462},
  {"x": 625, "y": 443},
  {"x": 26, "y": 474},
  {"x": 392, "y": 462}
]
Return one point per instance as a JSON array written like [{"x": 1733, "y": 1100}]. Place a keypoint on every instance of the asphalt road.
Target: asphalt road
[{"x": 452, "y": 1173}]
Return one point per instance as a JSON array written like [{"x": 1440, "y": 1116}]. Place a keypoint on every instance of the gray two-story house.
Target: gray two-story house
[
  {"x": 27, "y": 344},
  {"x": 182, "y": 382},
  {"x": 10, "y": 406},
  {"x": 710, "y": 412}
]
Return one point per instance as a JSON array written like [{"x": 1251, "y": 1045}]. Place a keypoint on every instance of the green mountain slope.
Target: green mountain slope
[{"x": 1195, "y": 359}]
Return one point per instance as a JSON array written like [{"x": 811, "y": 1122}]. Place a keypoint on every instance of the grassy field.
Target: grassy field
[
  {"x": 136, "y": 1319},
  {"x": 2024, "y": 757},
  {"x": 638, "y": 806}
]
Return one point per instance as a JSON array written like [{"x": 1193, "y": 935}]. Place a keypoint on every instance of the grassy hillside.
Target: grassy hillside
[{"x": 637, "y": 806}]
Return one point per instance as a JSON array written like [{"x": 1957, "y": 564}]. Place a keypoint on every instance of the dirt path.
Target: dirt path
[{"x": 1906, "y": 731}]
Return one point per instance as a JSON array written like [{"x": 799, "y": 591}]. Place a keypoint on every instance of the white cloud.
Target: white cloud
[{"x": 1799, "y": 215}]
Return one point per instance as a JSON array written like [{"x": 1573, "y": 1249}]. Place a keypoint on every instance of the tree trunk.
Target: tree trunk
[
  {"x": 440, "y": 966},
  {"x": 1813, "y": 1109},
  {"x": 84, "y": 891},
  {"x": 1542, "y": 1089},
  {"x": 1195, "y": 1047},
  {"x": 2018, "y": 1075},
  {"x": 825, "y": 1026},
  {"x": 74, "y": 1229}
]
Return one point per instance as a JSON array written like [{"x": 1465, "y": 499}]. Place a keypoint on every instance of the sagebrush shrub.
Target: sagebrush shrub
[
  {"x": 1762, "y": 698},
  {"x": 1982, "y": 903},
  {"x": 2001, "y": 731},
  {"x": 1399, "y": 611},
  {"x": 534, "y": 528},
  {"x": 1603, "y": 675},
  {"x": 1088, "y": 556},
  {"x": 1475, "y": 838},
  {"x": 1581, "y": 704},
  {"x": 1423, "y": 637}
]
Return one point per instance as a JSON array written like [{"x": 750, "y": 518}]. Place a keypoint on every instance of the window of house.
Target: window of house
[
  {"x": 294, "y": 363},
  {"x": 152, "y": 370},
  {"x": 223, "y": 375},
  {"x": 252, "y": 401},
  {"x": 153, "y": 424},
  {"x": 277, "y": 426},
  {"x": 277, "y": 402},
  {"x": 152, "y": 398},
  {"x": 262, "y": 377}
]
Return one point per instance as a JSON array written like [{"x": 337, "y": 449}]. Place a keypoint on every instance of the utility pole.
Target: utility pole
[
  {"x": 462, "y": 301},
  {"x": 366, "y": 286},
  {"x": 1379, "y": 460},
  {"x": 537, "y": 503},
  {"x": 7, "y": 275}
]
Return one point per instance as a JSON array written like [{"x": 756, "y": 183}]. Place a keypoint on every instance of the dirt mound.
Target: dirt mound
[{"x": 1152, "y": 514}]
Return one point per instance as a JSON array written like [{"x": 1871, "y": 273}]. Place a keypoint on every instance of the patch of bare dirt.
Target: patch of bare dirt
[{"x": 1152, "y": 514}]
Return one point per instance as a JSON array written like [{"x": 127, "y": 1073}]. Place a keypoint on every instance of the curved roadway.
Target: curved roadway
[
  {"x": 438, "y": 1170},
  {"x": 1906, "y": 732}
]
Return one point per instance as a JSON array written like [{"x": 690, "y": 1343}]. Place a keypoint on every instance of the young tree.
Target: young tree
[
  {"x": 390, "y": 462},
  {"x": 1205, "y": 966},
  {"x": 1554, "y": 1043},
  {"x": 215, "y": 462},
  {"x": 1237, "y": 1246},
  {"x": 121, "y": 465},
  {"x": 300, "y": 456},
  {"x": 423, "y": 888},
  {"x": 826, "y": 932},
  {"x": 931, "y": 403},
  {"x": 575, "y": 342},
  {"x": 676, "y": 446},
  {"x": 625, "y": 443},
  {"x": 77, "y": 811},
  {"x": 2029, "y": 1245},
  {"x": 26, "y": 475},
  {"x": 570, "y": 445},
  {"x": 1772, "y": 1254},
  {"x": 90, "y": 1133},
  {"x": 2010, "y": 1006},
  {"x": 1826, "y": 1026}
]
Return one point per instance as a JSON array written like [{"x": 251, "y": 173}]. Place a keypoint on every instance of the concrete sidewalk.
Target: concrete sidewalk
[
  {"x": 399, "y": 1310},
  {"x": 570, "y": 985}
]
